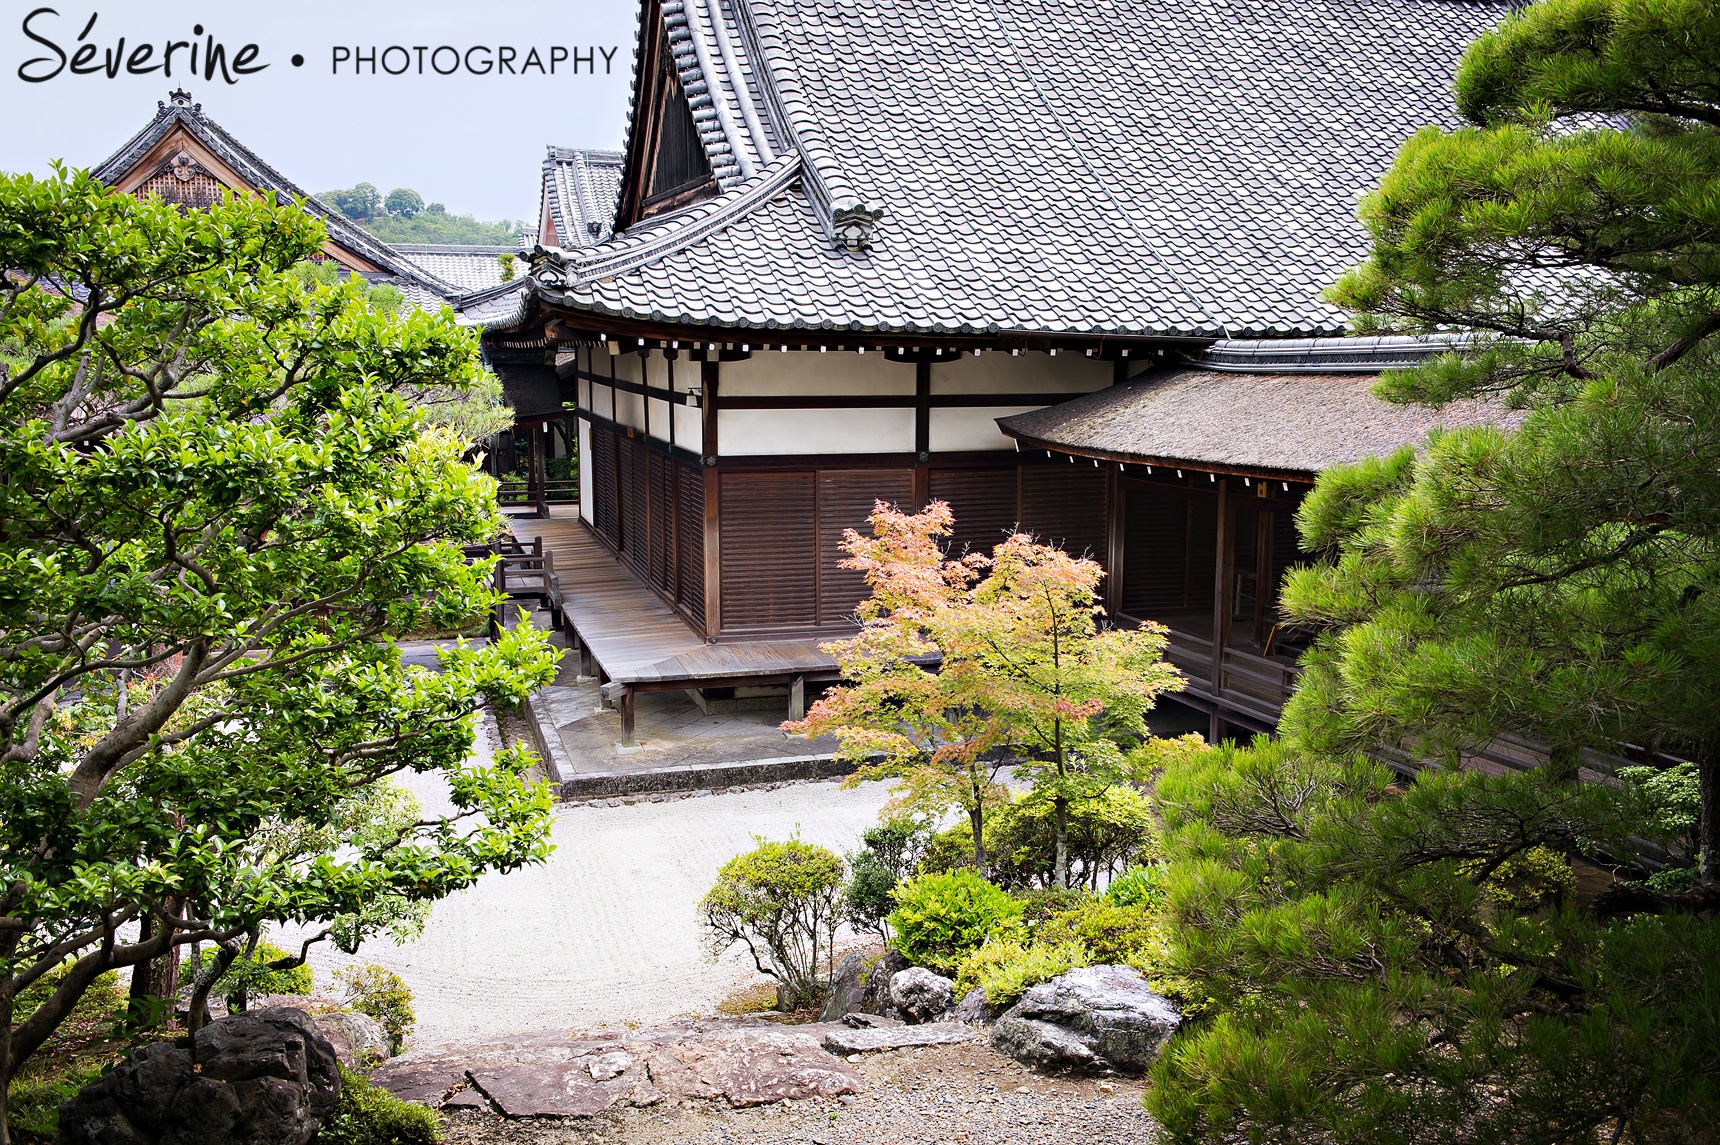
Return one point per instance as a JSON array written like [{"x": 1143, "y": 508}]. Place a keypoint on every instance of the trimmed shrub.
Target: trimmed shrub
[
  {"x": 1111, "y": 934},
  {"x": 939, "y": 918},
  {"x": 251, "y": 977},
  {"x": 383, "y": 995},
  {"x": 950, "y": 850},
  {"x": 1105, "y": 835},
  {"x": 890, "y": 853},
  {"x": 1138, "y": 886},
  {"x": 1005, "y": 969},
  {"x": 370, "y": 1115},
  {"x": 780, "y": 901}
]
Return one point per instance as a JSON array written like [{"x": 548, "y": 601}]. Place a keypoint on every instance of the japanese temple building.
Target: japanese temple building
[{"x": 912, "y": 251}]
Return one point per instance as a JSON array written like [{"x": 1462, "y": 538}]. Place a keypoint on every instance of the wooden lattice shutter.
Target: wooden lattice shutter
[
  {"x": 1064, "y": 505},
  {"x": 845, "y": 499},
  {"x": 983, "y": 501},
  {"x": 605, "y": 515},
  {"x": 1155, "y": 558},
  {"x": 662, "y": 522},
  {"x": 769, "y": 551},
  {"x": 634, "y": 530},
  {"x": 690, "y": 542}
]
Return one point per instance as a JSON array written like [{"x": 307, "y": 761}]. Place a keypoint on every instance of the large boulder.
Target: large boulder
[
  {"x": 973, "y": 1009},
  {"x": 920, "y": 995},
  {"x": 1093, "y": 1019},
  {"x": 359, "y": 1040},
  {"x": 879, "y": 974},
  {"x": 847, "y": 988},
  {"x": 267, "y": 1077}
]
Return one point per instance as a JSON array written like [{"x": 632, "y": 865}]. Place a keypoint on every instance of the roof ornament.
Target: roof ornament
[
  {"x": 185, "y": 166},
  {"x": 853, "y": 224},
  {"x": 179, "y": 97}
]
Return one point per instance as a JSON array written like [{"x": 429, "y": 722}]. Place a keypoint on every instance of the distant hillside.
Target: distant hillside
[{"x": 402, "y": 216}]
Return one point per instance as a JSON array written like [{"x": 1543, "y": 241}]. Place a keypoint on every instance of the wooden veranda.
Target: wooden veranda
[{"x": 635, "y": 642}]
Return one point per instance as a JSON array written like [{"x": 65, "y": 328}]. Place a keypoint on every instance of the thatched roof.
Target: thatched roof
[{"x": 1267, "y": 424}]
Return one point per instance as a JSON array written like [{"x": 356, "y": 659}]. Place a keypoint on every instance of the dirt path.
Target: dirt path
[{"x": 962, "y": 1095}]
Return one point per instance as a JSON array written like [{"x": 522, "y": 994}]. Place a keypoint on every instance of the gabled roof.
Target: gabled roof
[
  {"x": 1286, "y": 409},
  {"x": 1185, "y": 168},
  {"x": 464, "y": 266},
  {"x": 154, "y": 150},
  {"x": 579, "y": 191}
]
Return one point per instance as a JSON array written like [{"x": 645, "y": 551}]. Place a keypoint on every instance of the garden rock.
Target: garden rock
[
  {"x": 268, "y": 1077},
  {"x": 847, "y": 988},
  {"x": 1095, "y": 1018},
  {"x": 877, "y": 997},
  {"x": 920, "y": 995},
  {"x": 868, "y": 1021},
  {"x": 845, "y": 1041},
  {"x": 973, "y": 1009},
  {"x": 359, "y": 1040}
]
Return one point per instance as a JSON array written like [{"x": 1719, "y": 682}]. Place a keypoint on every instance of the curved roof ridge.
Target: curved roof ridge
[
  {"x": 553, "y": 269},
  {"x": 180, "y": 111}
]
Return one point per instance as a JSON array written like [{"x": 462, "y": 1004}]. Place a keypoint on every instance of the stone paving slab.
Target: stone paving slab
[
  {"x": 743, "y": 1062},
  {"x": 843, "y": 1040}
]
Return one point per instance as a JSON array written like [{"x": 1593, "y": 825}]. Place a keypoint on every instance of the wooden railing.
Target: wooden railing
[
  {"x": 1256, "y": 685},
  {"x": 513, "y": 492}
]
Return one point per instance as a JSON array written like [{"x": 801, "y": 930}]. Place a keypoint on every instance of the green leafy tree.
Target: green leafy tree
[
  {"x": 220, "y": 507},
  {"x": 964, "y": 667},
  {"x": 405, "y": 202},
  {"x": 782, "y": 901},
  {"x": 356, "y": 203}
]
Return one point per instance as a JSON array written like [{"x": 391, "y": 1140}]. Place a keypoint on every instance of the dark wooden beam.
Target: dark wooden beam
[
  {"x": 713, "y": 496},
  {"x": 1223, "y": 562}
]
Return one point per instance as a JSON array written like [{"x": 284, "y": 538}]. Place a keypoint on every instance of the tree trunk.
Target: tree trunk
[
  {"x": 5, "y": 1064},
  {"x": 982, "y": 861},
  {"x": 1061, "y": 870},
  {"x": 1708, "y": 783}
]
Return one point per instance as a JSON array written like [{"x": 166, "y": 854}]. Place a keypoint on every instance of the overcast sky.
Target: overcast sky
[{"x": 472, "y": 141}]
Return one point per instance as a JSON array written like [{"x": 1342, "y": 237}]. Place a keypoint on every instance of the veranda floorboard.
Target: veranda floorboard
[{"x": 638, "y": 639}]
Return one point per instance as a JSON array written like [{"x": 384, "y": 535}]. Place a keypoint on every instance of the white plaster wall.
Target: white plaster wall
[
  {"x": 1031, "y": 373},
  {"x": 630, "y": 409},
  {"x": 962, "y": 428},
  {"x": 628, "y": 367},
  {"x": 753, "y": 433},
  {"x": 809, "y": 373},
  {"x": 660, "y": 419},
  {"x": 584, "y": 394},
  {"x": 690, "y": 428},
  {"x": 603, "y": 401},
  {"x": 584, "y": 470},
  {"x": 657, "y": 370}
]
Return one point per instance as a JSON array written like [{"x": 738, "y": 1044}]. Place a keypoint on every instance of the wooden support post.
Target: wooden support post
[
  {"x": 499, "y": 581},
  {"x": 797, "y": 698},
  {"x": 1215, "y": 729},
  {"x": 627, "y": 739},
  {"x": 1224, "y": 584},
  {"x": 602, "y": 679}
]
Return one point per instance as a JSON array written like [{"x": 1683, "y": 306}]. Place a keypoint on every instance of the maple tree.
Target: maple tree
[{"x": 963, "y": 668}]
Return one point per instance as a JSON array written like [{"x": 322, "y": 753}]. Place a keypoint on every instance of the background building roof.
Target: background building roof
[
  {"x": 1291, "y": 422},
  {"x": 1183, "y": 168},
  {"x": 579, "y": 191},
  {"x": 180, "y": 114}
]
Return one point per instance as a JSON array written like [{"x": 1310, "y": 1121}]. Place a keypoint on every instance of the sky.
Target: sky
[{"x": 472, "y": 139}]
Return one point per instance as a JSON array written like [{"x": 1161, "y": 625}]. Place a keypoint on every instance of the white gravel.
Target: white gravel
[{"x": 607, "y": 932}]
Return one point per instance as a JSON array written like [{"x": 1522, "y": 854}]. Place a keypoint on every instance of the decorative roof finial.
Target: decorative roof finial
[
  {"x": 853, "y": 225},
  {"x": 179, "y": 97}
]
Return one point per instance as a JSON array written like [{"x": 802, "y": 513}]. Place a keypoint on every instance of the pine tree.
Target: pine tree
[{"x": 1411, "y": 956}]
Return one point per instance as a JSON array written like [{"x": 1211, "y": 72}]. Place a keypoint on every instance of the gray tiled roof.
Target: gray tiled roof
[
  {"x": 1185, "y": 167},
  {"x": 421, "y": 287},
  {"x": 466, "y": 267},
  {"x": 580, "y": 187}
]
